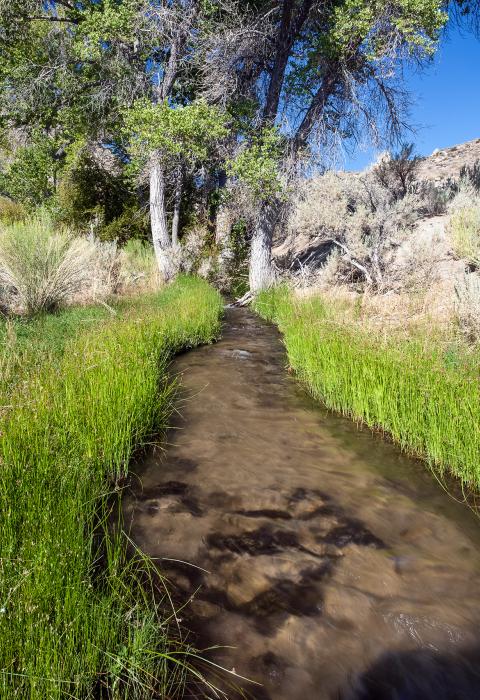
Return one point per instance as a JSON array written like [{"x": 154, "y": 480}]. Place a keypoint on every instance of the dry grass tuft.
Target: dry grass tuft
[
  {"x": 468, "y": 306},
  {"x": 43, "y": 268},
  {"x": 40, "y": 268}
]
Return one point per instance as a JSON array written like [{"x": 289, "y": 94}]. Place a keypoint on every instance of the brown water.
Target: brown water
[{"x": 325, "y": 547}]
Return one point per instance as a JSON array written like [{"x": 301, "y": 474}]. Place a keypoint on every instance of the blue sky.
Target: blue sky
[{"x": 446, "y": 94}]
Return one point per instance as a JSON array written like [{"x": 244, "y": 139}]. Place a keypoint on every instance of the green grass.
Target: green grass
[
  {"x": 422, "y": 391},
  {"x": 82, "y": 391}
]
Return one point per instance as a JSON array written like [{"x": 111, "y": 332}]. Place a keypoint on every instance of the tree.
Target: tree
[
  {"x": 78, "y": 69},
  {"x": 309, "y": 68},
  {"x": 29, "y": 172},
  {"x": 327, "y": 68},
  {"x": 161, "y": 135}
]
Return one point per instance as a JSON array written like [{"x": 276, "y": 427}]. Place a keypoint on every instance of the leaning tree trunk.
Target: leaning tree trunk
[
  {"x": 261, "y": 273},
  {"x": 162, "y": 243}
]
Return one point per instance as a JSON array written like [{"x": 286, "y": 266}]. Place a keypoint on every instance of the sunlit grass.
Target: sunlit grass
[
  {"x": 81, "y": 392},
  {"x": 422, "y": 390}
]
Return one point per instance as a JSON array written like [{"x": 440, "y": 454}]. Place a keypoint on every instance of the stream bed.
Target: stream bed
[{"x": 314, "y": 550}]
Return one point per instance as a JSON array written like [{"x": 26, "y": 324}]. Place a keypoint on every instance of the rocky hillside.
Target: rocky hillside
[{"x": 445, "y": 164}]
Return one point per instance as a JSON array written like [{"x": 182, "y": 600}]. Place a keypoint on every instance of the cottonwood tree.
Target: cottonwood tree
[
  {"x": 325, "y": 67},
  {"x": 162, "y": 139},
  {"x": 78, "y": 68}
]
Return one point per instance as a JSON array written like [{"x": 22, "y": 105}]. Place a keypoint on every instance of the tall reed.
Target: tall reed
[
  {"x": 75, "y": 621},
  {"x": 422, "y": 391}
]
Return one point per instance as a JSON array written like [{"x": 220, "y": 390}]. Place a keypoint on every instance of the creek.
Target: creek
[{"x": 312, "y": 547}]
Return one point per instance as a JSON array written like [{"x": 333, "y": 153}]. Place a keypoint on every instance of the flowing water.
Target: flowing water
[{"x": 311, "y": 547}]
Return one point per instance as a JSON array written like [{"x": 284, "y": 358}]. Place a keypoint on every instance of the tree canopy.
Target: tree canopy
[{"x": 175, "y": 87}]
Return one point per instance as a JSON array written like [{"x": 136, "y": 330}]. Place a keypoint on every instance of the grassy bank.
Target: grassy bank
[
  {"x": 81, "y": 391},
  {"x": 421, "y": 389}
]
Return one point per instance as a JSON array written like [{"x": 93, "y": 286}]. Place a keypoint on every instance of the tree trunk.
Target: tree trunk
[
  {"x": 261, "y": 273},
  {"x": 176, "y": 207},
  {"x": 223, "y": 226},
  {"x": 316, "y": 109},
  {"x": 158, "y": 221}
]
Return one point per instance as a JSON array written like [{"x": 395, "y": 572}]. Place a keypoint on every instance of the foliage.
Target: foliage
[
  {"x": 464, "y": 231},
  {"x": 78, "y": 617},
  {"x": 397, "y": 173},
  {"x": 80, "y": 70},
  {"x": 470, "y": 174},
  {"x": 132, "y": 224},
  {"x": 43, "y": 267},
  {"x": 11, "y": 211},
  {"x": 357, "y": 215},
  {"x": 92, "y": 187},
  {"x": 407, "y": 387},
  {"x": 258, "y": 164},
  {"x": 237, "y": 270},
  {"x": 30, "y": 175},
  {"x": 416, "y": 25},
  {"x": 184, "y": 132},
  {"x": 467, "y": 293},
  {"x": 341, "y": 76}
]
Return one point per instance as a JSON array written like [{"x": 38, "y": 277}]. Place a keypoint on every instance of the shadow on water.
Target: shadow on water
[
  {"x": 309, "y": 550},
  {"x": 418, "y": 675}
]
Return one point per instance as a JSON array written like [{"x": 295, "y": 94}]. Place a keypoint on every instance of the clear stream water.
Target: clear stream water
[{"x": 323, "y": 548}]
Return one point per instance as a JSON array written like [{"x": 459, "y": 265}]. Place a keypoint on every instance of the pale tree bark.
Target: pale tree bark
[
  {"x": 223, "y": 226},
  {"x": 223, "y": 221},
  {"x": 162, "y": 243},
  {"x": 223, "y": 232},
  {"x": 261, "y": 273},
  {"x": 177, "y": 204}
]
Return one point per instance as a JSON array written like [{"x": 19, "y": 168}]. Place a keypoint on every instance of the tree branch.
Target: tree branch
[
  {"x": 66, "y": 4},
  {"x": 353, "y": 261},
  {"x": 283, "y": 45},
  {"x": 51, "y": 18},
  {"x": 316, "y": 108},
  {"x": 289, "y": 30}
]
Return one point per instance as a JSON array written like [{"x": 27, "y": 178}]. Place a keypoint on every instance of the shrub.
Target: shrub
[
  {"x": 355, "y": 214},
  {"x": 133, "y": 223},
  {"x": 397, "y": 173},
  {"x": 468, "y": 306},
  {"x": 31, "y": 172},
  {"x": 40, "y": 268},
  {"x": 464, "y": 231},
  {"x": 471, "y": 175},
  {"x": 432, "y": 200},
  {"x": 464, "y": 196},
  {"x": 11, "y": 211}
]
